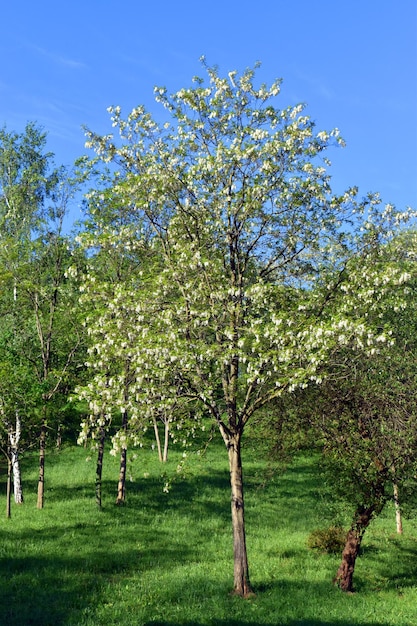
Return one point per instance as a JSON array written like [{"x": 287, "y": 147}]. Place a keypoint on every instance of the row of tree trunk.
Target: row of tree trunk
[{"x": 344, "y": 576}]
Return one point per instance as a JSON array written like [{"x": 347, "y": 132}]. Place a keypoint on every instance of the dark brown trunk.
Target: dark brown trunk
[
  {"x": 361, "y": 521},
  {"x": 242, "y": 585},
  {"x": 41, "y": 481},
  {"x": 99, "y": 468}
]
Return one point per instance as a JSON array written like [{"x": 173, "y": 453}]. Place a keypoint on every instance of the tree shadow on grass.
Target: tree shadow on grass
[
  {"x": 233, "y": 622},
  {"x": 54, "y": 583},
  {"x": 392, "y": 564},
  {"x": 286, "y": 603},
  {"x": 63, "y": 583},
  {"x": 61, "y": 573},
  {"x": 280, "y": 602}
]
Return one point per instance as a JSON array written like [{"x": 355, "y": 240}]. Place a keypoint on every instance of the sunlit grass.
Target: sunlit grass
[{"x": 166, "y": 558}]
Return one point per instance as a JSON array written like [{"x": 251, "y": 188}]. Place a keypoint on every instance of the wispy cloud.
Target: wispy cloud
[
  {"x": 319, "y": 86},
  {"x": 57, "y": 58}
]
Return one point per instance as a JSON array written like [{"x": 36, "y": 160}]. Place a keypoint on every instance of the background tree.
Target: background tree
[
  {"x": 363, "y": 415},
  {"x": 113, "y": 258},
  {"x": 34, "y": 199},
  {"x": 24, "y": 185}
]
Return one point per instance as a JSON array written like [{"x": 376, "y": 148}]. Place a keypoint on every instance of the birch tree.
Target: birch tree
[
  {"x": 237, "y": 197},
  {"x": 34, "y": 255}
]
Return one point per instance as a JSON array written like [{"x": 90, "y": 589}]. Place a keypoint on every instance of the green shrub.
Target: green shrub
[{"x": 329, "y": 540}]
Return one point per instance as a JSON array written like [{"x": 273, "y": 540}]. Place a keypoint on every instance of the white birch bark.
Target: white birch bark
[
  {"x": 398, "y": 519},
  {"x": 14, "y": 438}
]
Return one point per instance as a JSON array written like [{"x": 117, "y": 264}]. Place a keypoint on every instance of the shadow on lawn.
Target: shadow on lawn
[
  {"x": 393, "y": 563},
  {"x": 233, "y": 622},
  {"x": 41, "y": 589},
  {"x": 53, "y": 583},
  {"x": 57, "y": 575},
  {"x": 237, "y": 622}
]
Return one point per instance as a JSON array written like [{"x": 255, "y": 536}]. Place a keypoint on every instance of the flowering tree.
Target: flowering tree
[
  {"x": 234, "y": 196},
  {"x": 365, "y": 413}
]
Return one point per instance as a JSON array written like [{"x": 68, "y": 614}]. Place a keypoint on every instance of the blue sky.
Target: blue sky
[{"x": 353, "y": 62}]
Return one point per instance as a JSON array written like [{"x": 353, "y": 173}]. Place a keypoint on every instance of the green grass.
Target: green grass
[{"x": 167, "y": 558}]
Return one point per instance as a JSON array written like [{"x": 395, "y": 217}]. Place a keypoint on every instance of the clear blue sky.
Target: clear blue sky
[{"x": 353, "y": 62}]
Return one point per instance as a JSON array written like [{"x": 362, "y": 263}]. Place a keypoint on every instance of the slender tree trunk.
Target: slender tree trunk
[
  {"x": 41, "y": 481},
  {"x": 166, "y": 441},
  {"x": 121, "y": 486},
  {"x": 17, "y": 480},
  {"x": 99, "y": 468},
  {"x": 9, "y": 485},
  {"x": 162, "y": 452},
  {"x": 361, "y": 521},
  {"x": 14, "y": 438},
  {"x": 157, "y": 438},
  {"x": 242, "y": 585},
  {"x": 59, "y": 436},
  {"x": 398, "y": 519}
]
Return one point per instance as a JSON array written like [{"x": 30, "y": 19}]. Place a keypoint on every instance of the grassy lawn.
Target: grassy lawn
[{"x": 166, "y": 558}]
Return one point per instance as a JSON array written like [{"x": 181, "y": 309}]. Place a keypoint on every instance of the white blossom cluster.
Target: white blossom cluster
[{"x": 253, "y": 271}]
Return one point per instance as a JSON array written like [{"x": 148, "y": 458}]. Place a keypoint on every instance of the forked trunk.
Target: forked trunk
[
  {"x": 241, "y": 570},
  {"x": 41, "y": 481},
  {"x": 162, "y": 452},
  {"x": 99, "y": 468},
  {"x": 157, "y": 438},
  {"x": 361, "y": 521}
]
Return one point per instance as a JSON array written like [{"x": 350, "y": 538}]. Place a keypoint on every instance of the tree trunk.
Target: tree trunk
[
  {"x": 166, "y": 440},
  {"x": 99, "y": 468},
  {"x": 9, "y": 486},
  {"x": 361, "y": 521},
  {"x": 59, "y": 436},
  {"x": 157, "y": 438},
  {"x": 17, "y": 480},
  {"x": 397, "y": 510},
  {"x": 14, "y": 438},
  {"x": 241, "y": 570},
  {"x": 121, "y": 486},
  {"x": 41, "y": 482},
  {"x": 162, "y": 453}
]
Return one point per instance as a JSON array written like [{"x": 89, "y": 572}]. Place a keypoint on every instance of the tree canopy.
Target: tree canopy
[{"x": 247, "y": 251}]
